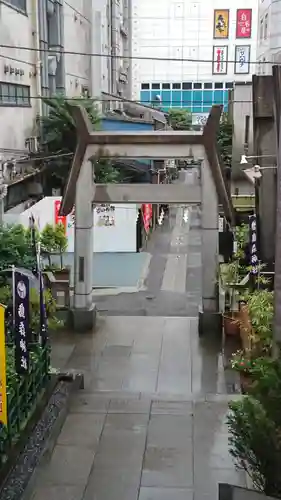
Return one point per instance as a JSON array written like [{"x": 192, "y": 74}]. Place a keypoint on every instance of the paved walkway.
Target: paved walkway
[{"x": 150, "y": 424}]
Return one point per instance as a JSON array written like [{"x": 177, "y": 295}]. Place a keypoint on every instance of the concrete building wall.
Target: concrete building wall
[
  {"x": 83, "y": 26},
  {"x": 17, "y": 80},
  {"x": 184, "y": 30},
  {"x": 77, "y": 38},
  {"x": 241, "y": 112},
  {"x": 269, "y": 35}
]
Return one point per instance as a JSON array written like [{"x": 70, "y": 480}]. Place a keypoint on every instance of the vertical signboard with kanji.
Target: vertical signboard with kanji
[
  {"x": 244, "y": 23},
  {"x": 254, "y": 261},
  {"x": 221, "y": 23},
  {"x": 242, "y": 59},
  {"x": 21, "y": 321},
  {"x": 3, "y": 382},
  {"x": 59, "y": 219},
  {"x": 220, "y": 55}
]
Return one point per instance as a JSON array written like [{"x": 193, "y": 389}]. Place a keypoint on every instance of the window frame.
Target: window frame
[
  {"x": 13, "y": 5},
  {"x": 20, "y": 95}
]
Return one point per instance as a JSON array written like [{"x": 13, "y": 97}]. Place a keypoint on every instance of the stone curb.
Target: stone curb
[
  {"x": 24, "y": 469},
  {"x": 77, "y": 383}
]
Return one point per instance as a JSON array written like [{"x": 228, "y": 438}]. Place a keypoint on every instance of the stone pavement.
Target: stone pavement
[{"x": 150, "y": 424}]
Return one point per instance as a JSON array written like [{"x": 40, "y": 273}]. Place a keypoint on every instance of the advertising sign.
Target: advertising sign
[
  {"x": 244, "y": 23},
  {"x": 147, "y": 215},
  {"x": 242, "y": 59},
  {"x": 220, "y": 55},
  {"x": 21, "y": 321},
  {"x": 3, "y": 383},
  {"x": 199, "y": 118},
  {"x": 59, "y": 219},
  {"x": 221, "y": 23},
  {"x": 253, "y": 245}
]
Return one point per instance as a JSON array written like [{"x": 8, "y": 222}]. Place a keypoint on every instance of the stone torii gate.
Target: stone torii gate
[{"x": 81, "y": 191}]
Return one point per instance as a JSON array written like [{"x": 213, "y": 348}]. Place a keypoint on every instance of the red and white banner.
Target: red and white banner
[
  {"x": 147, "y": 215},
  {"x": 244, "y": 23},
  {"x": 59, "y": 219},
  {"x": 220, "y": 54}
]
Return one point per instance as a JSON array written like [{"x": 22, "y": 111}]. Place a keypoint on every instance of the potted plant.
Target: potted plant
[
  {"x": 255, "y": 444},
  {"x": 229, "y": 278},
  {"x": 242, "y": 362}
]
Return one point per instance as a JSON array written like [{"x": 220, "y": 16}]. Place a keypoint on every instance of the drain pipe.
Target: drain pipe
[
  {"x": 38, "y": 65},
  {"x": 43, "y": 44},
  {"x": 115, "y": 20}
]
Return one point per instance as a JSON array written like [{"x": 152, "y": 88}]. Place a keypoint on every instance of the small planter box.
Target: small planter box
[
  {"x": 246, "y": 329},
  {"x": 231, "y": 324},
  {"x": 245, "y": 382},
  {"x": 62, "y": 274}
]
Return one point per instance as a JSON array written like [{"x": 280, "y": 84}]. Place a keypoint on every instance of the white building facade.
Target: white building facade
[
  {"x": 269, "y": 35},
  {"x": 206, "y": 36},
  {"x": 58, "y": 28}
]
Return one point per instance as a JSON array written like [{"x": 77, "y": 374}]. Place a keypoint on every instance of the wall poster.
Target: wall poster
[
  {"x": 242, "y": 59},
  {"x": 220, "y": 55},
  {"x": 221, "y": 23},
  {"x": 244, "y": 23}
]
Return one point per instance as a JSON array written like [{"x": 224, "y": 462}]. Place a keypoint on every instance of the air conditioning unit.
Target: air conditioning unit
[{"x": 31, "y": 144}]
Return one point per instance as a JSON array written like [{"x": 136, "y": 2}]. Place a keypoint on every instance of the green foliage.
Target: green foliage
[
  {"x": 48, "y": 244},
  {"x": 59, "y": 136},
  {"x": 180, "y": 119},
  {"x": 255, "y": 444},
  {"x": 261, "y": 309},
  {"x": 224, "y": 138},
  {"x": 15, "y": 247}
]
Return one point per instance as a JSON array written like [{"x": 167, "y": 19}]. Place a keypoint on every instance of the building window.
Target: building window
[
  {"x": 208, "y": 86},
  {"x": 14, "y": 95},
  {"x": 155, "y": 86},
  {"x": 176, "y": 86},
  {"x": 261, "y": 29},
  {"x": 218, "y": 85},
  {"x": 187, "y": 85},
  {"x": 18, "y": 4},
  {"x": 197, "y": 86},
  {"x": 145, "y": 86},
  {"x": 166, "y": 86},
  {"x": 265, "y": 26},
  {"x": 229, "y": 85}
]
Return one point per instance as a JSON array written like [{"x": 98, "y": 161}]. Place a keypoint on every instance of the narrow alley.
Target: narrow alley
[{"x": 150, "y": 423}]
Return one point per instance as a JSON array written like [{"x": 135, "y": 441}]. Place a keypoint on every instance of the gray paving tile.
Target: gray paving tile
[
  {"x": 168, "y": 467},
  {"x": 83, "y": 432},
  {"x": 206, "y": 480},
  {"x": 107, "y": 488},
  {"x": 165, "y": 494},
  {"x": 59, "y": 493},
  {"x": 69, "y": 465},
  {"x": 173, "y": 431},
  {"x": 129, "y": 406},
  {"x": 89, "y": 403},
  {"x": 171, "y": 408}
]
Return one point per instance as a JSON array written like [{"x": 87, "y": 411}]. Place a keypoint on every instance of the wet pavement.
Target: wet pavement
[{"x": 150, "y": 423}]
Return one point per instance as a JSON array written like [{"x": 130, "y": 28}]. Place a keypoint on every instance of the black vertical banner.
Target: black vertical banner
[
  {"x": 254, "y": 261},
  {"x": 21, "y": 321}
]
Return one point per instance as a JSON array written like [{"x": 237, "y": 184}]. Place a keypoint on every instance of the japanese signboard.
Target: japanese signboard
[
  {"x": 244, "y": 23},
  {"x": 3, "y": 383},
  {"x": 59, "y": 219},
  {"x": 254, "y": 261},
  {"x": 105, "y": 215},
  {"x": 220, "y": 54},
  {"x": 147, "y": 215},
  {"x": 242, "y": 59},
  {"x": 21, "y": 321},
  {"x": 221, "y": 23}
]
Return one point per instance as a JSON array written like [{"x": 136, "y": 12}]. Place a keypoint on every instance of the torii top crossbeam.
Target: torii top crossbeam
[{"x": 172, "y": 144}]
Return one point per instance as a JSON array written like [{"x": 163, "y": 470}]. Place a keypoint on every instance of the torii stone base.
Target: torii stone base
[{"x": 82, "y": 191}]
